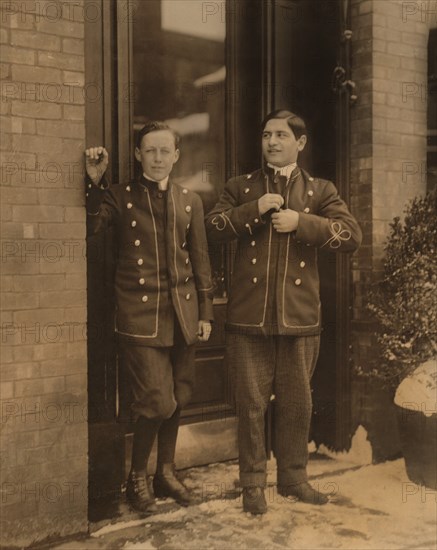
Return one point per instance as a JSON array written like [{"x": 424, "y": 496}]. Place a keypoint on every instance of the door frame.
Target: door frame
[{"x": 108, "y": 55}]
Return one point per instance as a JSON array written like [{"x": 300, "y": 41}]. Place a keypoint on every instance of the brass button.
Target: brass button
[
  {"x": 306, "y": 210},
  {"x": 188, "y": 208},
  {"x": 137, "y": 242},
  {"x": 159, "y": 195},
  {"x": 140, "y": 261},
  {"x": 144, "y": 298},
  {"x": 246, "y": 190},
  {"x": 89, "y": 186},
  {"x": 298, "y": 282},
  {"x": 188, "y": 297},
  {"x": 310, "y": 192},
  {"x": 249, "y": 176},
  {"x": 187, "y": 279},
  {"x": 311, "y": 178},
  {"x": 246, "y": 225},
  {"x": 254, "y": 261},
  {"x": 86, "y": 194},
  {"x": 255, "y": 280},
  {"x": 187, "y": 261},
  {"x": 142, "y": 281},
  {"x": 127, "y": 187},
  {"x": 302, "y": 264},
  {"x": 253, "y": 243},
  {"x": 133, "y": 223},
  {"x": 188, "y": 226},
  {"x": 256, "y": 220},
  {"x": 184, "y": 191},
  {"x": 184, "y": 245},
  {"x": 129, "y": 205}
]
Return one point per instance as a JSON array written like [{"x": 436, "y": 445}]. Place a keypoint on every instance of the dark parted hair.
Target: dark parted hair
[
  {"x": 295, "y": 122},
  {"x": 155, "y": 126}
]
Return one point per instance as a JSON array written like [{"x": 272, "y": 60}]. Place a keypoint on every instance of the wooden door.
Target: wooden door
[
  {"x": 307, "y": 44},
  {"x": 165, "y": 60}
]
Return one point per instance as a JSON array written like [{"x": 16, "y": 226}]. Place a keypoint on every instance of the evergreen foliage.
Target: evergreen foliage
[{"x": 404, "y": 302}]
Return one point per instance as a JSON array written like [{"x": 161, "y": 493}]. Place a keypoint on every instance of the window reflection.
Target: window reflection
[{"x": 179, "y": 76}]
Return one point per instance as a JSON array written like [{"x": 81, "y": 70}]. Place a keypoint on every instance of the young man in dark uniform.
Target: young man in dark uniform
[
  {"x": 280, "y": 216},
  {"x": 163, "y": 299}
]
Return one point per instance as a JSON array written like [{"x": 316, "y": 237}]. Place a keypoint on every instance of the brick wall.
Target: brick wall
[
  {"x": 388, "y": 164},
  {"x": 43, "y": 264}
]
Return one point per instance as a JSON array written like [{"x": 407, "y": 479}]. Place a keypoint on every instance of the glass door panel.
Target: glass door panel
[{"x": 179, "y": 75}]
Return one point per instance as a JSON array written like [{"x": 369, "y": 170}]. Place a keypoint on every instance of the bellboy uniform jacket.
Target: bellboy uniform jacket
[
  {"x": 139, "y": 282},
  {"x": 289, "y": 268}
]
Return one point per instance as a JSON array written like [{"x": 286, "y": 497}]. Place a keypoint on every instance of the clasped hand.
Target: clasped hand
[{"x": 284, "y": 221}]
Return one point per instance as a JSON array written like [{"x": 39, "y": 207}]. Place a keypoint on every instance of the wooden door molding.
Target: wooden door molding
[
  {"x": 104, "y": 437},
  {"x": 344, "y": 278}
]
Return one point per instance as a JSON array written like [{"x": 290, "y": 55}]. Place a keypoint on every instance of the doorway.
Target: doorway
[{"x": 212, "y": 70}]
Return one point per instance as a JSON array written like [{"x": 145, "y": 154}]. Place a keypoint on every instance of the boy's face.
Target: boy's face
[
  {"x": 158, "y": 154},
  {"x": 279, "y": 145}
]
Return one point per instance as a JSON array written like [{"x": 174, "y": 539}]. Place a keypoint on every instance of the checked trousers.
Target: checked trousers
[{"x": 262, "y": 366}]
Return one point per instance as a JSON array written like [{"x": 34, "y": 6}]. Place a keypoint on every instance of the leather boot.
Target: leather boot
[
  {"x": 303, "y": 492},
  {"x": 254, "y": 500},
  {"x": 139, "y": 494},
  {"x": 166, "y": 484}
]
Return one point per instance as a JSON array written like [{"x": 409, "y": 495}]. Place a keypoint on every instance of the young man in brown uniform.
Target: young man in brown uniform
[
  {"x": 280, "y": 216},
  {"x": 163, "y": 299}
]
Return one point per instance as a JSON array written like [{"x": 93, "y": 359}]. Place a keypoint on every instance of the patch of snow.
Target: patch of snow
[
  {"x": 370, "y": 508},
  {"x": 195, "y": 123},
  {"x": 418, "y": 392},
  {"x": 212, "y": 78},
  {"x": 110, "y": 528},
  {"x": 359, "y": 453},
  {"x": 143, "y": 545}
]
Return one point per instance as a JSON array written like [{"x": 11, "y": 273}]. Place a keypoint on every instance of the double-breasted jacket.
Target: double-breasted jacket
[
  {"x": 145, "y": 289},
  {"x": 282, "y": 264}
]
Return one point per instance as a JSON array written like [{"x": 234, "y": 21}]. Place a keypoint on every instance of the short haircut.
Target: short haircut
[
  {"x": 156, "y": 126},
  {"x": 295, "y": 122}
]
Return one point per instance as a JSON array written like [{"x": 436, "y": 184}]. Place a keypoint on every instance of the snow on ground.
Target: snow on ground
[
  {"x": 372, "y": 507},
  {"x": 418, "y": 392},
  {"x": 359, "y": 453}
]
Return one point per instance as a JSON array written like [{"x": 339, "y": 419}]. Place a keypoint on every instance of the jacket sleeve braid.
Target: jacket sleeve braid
[
  {"x": 333, "y": 227},
  {"x": 229, "y": 219}
]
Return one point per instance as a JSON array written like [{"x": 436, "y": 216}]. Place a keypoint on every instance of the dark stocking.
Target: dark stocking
[
  {"x": 167, "y": 436},
  {"x": 144, "y": 436}
]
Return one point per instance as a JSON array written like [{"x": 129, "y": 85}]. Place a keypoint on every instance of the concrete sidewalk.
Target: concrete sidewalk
[{"x": 371, "y": 507}]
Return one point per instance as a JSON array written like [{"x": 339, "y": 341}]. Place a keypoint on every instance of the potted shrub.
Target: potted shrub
[{"x": 404, "y": 303}]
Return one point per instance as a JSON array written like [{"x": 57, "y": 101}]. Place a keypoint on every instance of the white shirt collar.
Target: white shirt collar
[
  {"x": 283, "y": 170},
  {"x": 163, "y": 184}
]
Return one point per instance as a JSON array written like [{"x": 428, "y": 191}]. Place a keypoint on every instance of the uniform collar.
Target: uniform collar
[
  {"x": 162, "y": 185},
  {"x": 153, "y": 185},
  {"x": 283, "y": 170}
]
